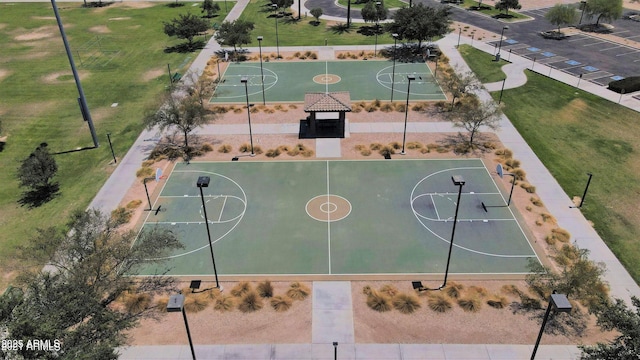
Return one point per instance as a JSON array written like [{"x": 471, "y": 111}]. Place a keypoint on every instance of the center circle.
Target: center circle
[
  {"x": 328, "y": 208},
  {"x": 326, "y": 79}
]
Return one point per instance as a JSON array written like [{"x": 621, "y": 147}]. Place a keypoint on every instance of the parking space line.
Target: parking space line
[
  {"x": 596, "y": 43},
  {"x": 615, "y": 47},
  {"x": 631, "y": 37},
  {"x": 619, "y": 32},
  {"x": 630, "y": 52}
]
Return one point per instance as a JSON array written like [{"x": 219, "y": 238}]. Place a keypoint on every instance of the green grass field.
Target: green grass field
[
  {"x": 339, "y": 217},
  {"x": 486, "y": 70},
  {"x": 38, "y": 98},
  {"x": 289, "y": 81},
  {"x": 574, "y": 132}
]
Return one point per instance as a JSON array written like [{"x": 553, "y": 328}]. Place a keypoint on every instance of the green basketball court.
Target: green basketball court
[
  {"x": 289, "y": 81},
  {"x": 339, "y": 218}
]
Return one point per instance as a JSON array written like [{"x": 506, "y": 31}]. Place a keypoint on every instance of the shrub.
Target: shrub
[
  {"x": 378, "y": 301},
  {"x": 206, "y": 147},
  {"x": 370, "y": 108},
  {"x": 375, "y": 146},
  {"x": 360, "y": 147},
  {"x": 422, "y": 106},
  {"x": 550, "y": 239},
  {"x": 341, "y": 56},
  {"x": 477, "y": 290},
  {"x": 297, "y": 54},
  {"x": 137, "y": 302},
  {"x": 512, "y": 163},
  {"x": 245, "y": 148},
  {"x": 250, "y": 302},
  {"x": 528, "y": 187},
  {"x": 511, "y": 290},
  {"x": 226, "y": 148},
  {"x": 144, "y": 172},
  {"x": 224, "y": 303},
  {"x": 387, "y": 107},
  {"x": 536, "y": 201},
  {"x": 414, "y": 145},
  {"x": 254, "y": 110},
  {"x": 470, "y": 304},
  {"x": 280, "y": 108},
  {"x": 241, "y": 288},
  {"x": 237, "y": 111},
  {"x": 395, "y": 145},
  {"x": 367, "y": 290},
  {"x": 213, "y": 293},
  {"x": 265, "y": 289},
  {"x": 365, "y": 152},
  {"x": 439, "y": 303},
  {"x": 387, "y": 150},
  {"x": 313, "y": 56},
  {"x": 400, "y": 107},
  {"x": 298, "y": 291},
  {"x": 281, "y": 303},
  {"x": 307, "y": 153},
  {"x": 519, "y": 173},
  {"x": 257, "y": 149},
  {"x": 489, "y": 145},
  {"x": 273, "y": 153},
  {"x": 293, "y": 106},
  {"x": 133, "y": 204},
  {"x": 121, "y": 215},
  {"x": 548, "y": 218},
  {"x": 406, "y": 303},
  {"x": 561, "y": 235},
  {"x": 294, "y": 151},
  {"x": 425, "y": 150},
  {"x": 432, "y": 146},
  {"x": 454, "y": 289},
  {"x": 161, "y": 303},
  {"x": 389, "y": 290},
  {"x": 497, "y": 302},
  {"x": 196, "y": 303}
]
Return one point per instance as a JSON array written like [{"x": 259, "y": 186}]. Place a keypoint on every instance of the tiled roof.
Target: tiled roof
[{"x": 332, "y": 101}]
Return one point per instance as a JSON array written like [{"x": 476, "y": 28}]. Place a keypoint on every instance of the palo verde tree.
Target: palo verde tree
[
  {"x": 420, "y": 23},
  {"x": 210, "y": 8},
  {"x": 374, "y": 12},
  {"x": 316, "y": 13},
  {"x": 505, "y": 5},
  {"x": 72, "y": 301},
  {"x": 626, "y": 322},
  {"x": 235, "y": 33},
  {"x": 186, "y": 26},
  {"x": 607, "y": 10},
  {"x": 458, "y": 83},
  {"x": 561, "y": 14},
  {"x": 36, "y": 173},
  {"x": 471, "y": 115}
]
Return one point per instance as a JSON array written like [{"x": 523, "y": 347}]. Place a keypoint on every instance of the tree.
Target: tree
[
  {"x": 316, "y": 13},
  {"x": 183, "y": 112},
  {"x": 210, "y": 7},
  {"x": 561, "y": 14},
  {"x": 235, "y": 33},
  {"x": 372, "y": 12},
  {"x": 608, "y": 10},
  {"x": 507, "y": 4},
  {"x": 617, "y": 316},
  {"x": 282, "y": 4},
  {"x": 458, "y": 83},
  {"x": 36, "y": 173},
  {"x": 201, "y": 88},
  {"x": 186, "y": 26},
  {"x": 420, "y": 23},
  {"x": 74, "y": 303},
  {"x": 472, "y": 114}
]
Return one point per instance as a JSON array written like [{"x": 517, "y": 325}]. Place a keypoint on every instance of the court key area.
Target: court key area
[
  {"x": 289, "y": 81},
  {"x": 339, "y": 218}
]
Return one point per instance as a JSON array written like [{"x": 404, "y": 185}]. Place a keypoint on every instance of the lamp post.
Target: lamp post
[
  {"x": 457, "y": 181},
  {"x": 500, "y": 44},
  {"x": 561, "y": 304},
  {"x": 348, "y": 14},
  {"x": 459, "y": 35},
  {"x": 584, "y": 5},
  {"x": 393, "y": 73},
  {"x": 335, "y": 350},
  {"x": 203, "y": 181},
  {"x": 275, "y": 8},
  {"x": 176, "y": 304},
  {"x": 375, "y": 48},
  {"x": 502, "y": 90},
  {"x": 245, "y": 80},
  {"x": 585, "y": 190},
  {"x": 261, "y": 71},
  {"x": 406, "y": 112}
]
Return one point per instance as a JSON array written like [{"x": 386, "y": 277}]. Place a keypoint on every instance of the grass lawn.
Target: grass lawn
[
  {"x": 389, "y": 4},
  {"x": 574, "y": 132},
  {"x": 119, "y": 52},
  {"x": 483, "y": 64},
  {"x": 492, "y": 11},
  {"x": 303, "y": 32}
]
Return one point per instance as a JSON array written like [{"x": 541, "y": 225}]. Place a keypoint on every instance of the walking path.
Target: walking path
[{"x": 332, "y": 316}]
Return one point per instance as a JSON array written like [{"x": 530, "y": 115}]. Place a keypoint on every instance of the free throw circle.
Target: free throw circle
[
  {"x": 325, "y": 79},
  {"x": 328, "y": 208}
]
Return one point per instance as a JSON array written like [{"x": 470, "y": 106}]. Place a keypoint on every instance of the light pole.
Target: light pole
[
  {"x": 500, "y": 44},
  {"x": 459, "y": 35},
  {"x": 584, "y": 5},
  {"x": 261, "y": 71},
  {"x": 502, "y": 90},
  {"x": 176, "y": 304},
  {"x": 245, "y": 80},
  {"x": 275, "y": 8},
  {"x": 585, "y": 190},
  {"x": 457, "y": 181},
  {"x": 335, "y": 350},
  {"x": 406, "y": 113},
  {"x": 375, "y": 48},
  {"x": 561, "y": 304},
  {"x": 393, "y": 73},
  {"x": 203, "y": 181}
]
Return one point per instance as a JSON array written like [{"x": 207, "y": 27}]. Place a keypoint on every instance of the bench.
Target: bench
[{"x": 176, "y": 77}]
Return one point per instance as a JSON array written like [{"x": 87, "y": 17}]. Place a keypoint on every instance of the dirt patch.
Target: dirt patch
[
  {"x": 44, "y": 17},
  {"x": 152, "y": 74},
  {"x": 129, "y": 5},
  {"x": 2, "y": 26},
  {"x": 55, "y": 78},
  {"x": 120, "y": 18},
  {"x": 4, "y": 73},
  {"x": 42, "y": 32},
  {"x": 101, "y": 29},
  {"x": 475, "y": 32}
]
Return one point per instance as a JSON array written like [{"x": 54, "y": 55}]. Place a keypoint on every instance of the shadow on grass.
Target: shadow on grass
[
  {"x": 370, "y": 30},
  {"x": 175, "y": 5},
  {"x": 97, "y": 4},
  {"x": 37, "y": 197},
  {"x": 186, "y": 47},
  {"x": 340, "y": 29}
]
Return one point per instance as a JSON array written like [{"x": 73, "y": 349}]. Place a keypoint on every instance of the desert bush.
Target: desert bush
[
  {"x": 432, "y": 146},
  {"x": 375, "y": 146},
  {"x": 313, "y": 56},
  {"x": 378, "y": 301},
  {"x": 489, "y": 145},
  {"x": 439, "y": 303},
  {"x": 400, "y": 107},
  {"x": 241, "y": 288},
  {"x": 220, "y": 109},
  {"x": 224, "y": 303},
  {"x": 504, "y": 153},
  {"x": 549, "y": 239},
  {"x": 269, "y": 111},
  {"x": 341, "y": 56},
  {"x": 561, "y": 235},
  {"x": 257, "y": 149},
  {"x": 454, "y": 289},
  {"x": 265, "y": 289},
  {"x": 519, "y": 174},
  {"x": 273, "y": 153},
  {"x": 196, "y": 303},
  {"x": 477, "y": 290},
  {"x": 387, "y": 150},
  {"x": 365, "y": 152},
  {"x": 144, "y": 172},
  {"x": 360, "y": 147},
  {"x": 512, "y": 163},
  {"x": 421, "y": 106},
  {"x": 161, "y": 303},
  {"x": 395, "y": 145},
  {"x": 136, "y": 302},
  {"x": 406, "y": 303},
  {"x": 307, "y": 153},
  {"x": 297, "y": 54},
  {"x": 133, "y": 204},
  {"x": 370, "y": 108},
  {"x": 387, "y": 107},
  {"x": 213, "y": 293},
  {"x": 250, "y": 302},
  {"x": 226, "y": 148},
  {"x": 389, "y": 290},
  {"x": 470, "y": 304},
  {"x": 425, "y": 150},
  {"x": 548, "y": 218},
  {"x": 511, "y": 290},
  {"x": 294, "y": 151},
  {"x": 254, "y": 110},
  {"x": 293, "y": 106},
  {"x": 536, "y": 201},
  {"x": 206, "y": 147},
  {"x": 245, "y": 148},
  {"x": 237, "y": 111},
  {"x": 367, "y": 289},
  {"x": 281, "y": 303},
  {"x": 414, "y": 145},
  {"x": 298, "y": 291},
  {"x": 284, "y": 148},
  {"x": 497, "y": 302},
  {"x": 279, "y": 107},
  {"x": 528, "y": 187}
]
